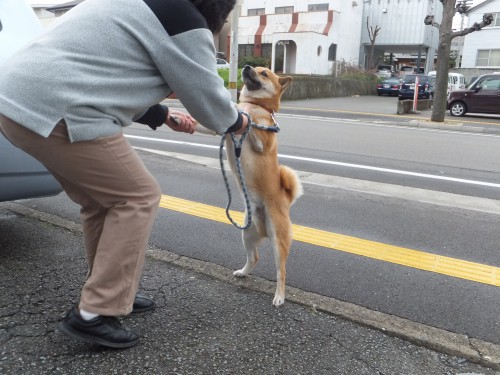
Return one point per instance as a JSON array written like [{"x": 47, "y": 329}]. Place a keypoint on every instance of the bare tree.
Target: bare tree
[
  {"x": 372, "y": 34},
  {"x": 443, "y": 54}
]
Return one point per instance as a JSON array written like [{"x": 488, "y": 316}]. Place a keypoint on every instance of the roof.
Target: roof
[
  {"x": 64, "y": 6},
  {"x": 44, "y": 3}
]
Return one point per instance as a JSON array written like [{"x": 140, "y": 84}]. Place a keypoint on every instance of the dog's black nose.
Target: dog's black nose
[{"x": 247, "y": 67}]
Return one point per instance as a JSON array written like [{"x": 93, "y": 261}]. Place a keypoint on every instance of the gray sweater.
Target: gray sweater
[{"x": 105, "y": 62}]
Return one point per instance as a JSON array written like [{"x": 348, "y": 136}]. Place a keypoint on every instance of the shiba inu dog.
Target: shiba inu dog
[{"x": 272, "y": 188}]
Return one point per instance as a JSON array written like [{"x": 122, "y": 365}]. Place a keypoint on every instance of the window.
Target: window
[
  {"x": 267, "y": 50},
  {"x": 245, "y": 50},
  {"x": 496, "y": 20},
  {"x": 332, "y": 52},
  {"x": 317, "y": 7},
  {"x": 488, "y": 57},
  {"x": 283, "y": 10},
  {"x": 256, "y": 11},
  {"x": 489, "y": 84}
]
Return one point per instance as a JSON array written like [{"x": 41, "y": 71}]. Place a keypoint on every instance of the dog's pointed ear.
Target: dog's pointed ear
[{"x": 285, "y": 82}]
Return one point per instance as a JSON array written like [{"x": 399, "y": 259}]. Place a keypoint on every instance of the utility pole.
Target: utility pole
[
  {"x": 462, "y": 9},
  {"x": 461, "y": 44},
  {"x": 233, "y": 58}
]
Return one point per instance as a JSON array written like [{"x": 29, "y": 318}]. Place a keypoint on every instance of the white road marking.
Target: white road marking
[{"x": 337, "y": 163}]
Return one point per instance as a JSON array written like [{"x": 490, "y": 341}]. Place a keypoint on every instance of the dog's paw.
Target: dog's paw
[
  {"x": 239, "y": 273},
  {"x": 278, "y": 300}
]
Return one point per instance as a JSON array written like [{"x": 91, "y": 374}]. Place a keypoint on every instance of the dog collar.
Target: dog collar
[{"x": 275, "y": 128}]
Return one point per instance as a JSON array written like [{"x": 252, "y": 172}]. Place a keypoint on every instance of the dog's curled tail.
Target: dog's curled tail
[{"x": 290, "y": 183}]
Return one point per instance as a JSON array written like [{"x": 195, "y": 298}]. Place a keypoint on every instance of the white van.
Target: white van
[
  {"x": 456, "y": 81},
  {"x": 21, "y": 176}
]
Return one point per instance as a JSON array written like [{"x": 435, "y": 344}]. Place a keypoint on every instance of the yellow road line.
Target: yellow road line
[
  {"x": 458, "y": 122},
  {"x": 477, "y": 272}
]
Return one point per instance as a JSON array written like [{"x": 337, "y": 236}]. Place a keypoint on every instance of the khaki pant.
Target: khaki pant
[{"x": 118, "y": 198}]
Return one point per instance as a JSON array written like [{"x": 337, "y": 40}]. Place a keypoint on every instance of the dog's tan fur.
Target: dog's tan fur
[{"x": 272, "y": 188}]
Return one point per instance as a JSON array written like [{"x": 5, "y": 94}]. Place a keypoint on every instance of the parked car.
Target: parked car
[
  {"x": 456, "y": 81},
  {"x": 222, "y": 64},
  {"x": 385, "y": 71},
  {"x": 389, "y": 86},
  {"x": 432, "y": 85},
  {"x": 220, "y": 55},
  {"x": 482, "y": 96},
  {"x": 406, "y": 68},
  {"x": 407, "y": 86},
  {"x": 21, "y": 176}
]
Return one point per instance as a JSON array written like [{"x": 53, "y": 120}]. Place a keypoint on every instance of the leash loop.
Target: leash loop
[{"x": 238, "y": 145}]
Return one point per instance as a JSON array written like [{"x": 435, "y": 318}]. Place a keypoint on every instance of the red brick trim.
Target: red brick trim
[
  {"x": 257, "y": 48},
  {"x": 329, "y": 23}
]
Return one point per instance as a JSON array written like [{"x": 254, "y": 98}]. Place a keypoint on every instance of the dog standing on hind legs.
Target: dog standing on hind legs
[{"x": 271, "y": 188}]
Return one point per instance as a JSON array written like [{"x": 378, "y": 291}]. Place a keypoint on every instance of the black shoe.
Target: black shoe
[
  {"x": 103, "y": 330},
  {"x": 142, "y": 304}
]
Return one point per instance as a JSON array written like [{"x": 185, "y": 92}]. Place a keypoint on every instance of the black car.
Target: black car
[
  {"x": 482, "y": 96},
  {"x": 389, "y": 86},
  {"x": 407, "y": 86}
]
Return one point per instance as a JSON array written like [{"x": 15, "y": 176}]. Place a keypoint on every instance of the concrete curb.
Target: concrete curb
[
  {"x": 477, "y": 351},
  {"x": 450, "y": 126}
]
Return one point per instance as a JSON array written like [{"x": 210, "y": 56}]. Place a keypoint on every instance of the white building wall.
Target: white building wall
[
  {"x": 347, "y": 26},
  {"x": 298, "y": 5},
  {"x": 311, "y": 55},
  {"x": 487, "y": 38},
  {"x": 277, "y": 23},
  {"x": 312, "y": 44}
]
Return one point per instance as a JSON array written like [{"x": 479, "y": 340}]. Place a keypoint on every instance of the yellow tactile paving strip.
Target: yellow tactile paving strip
[{"x": 477, "y": 272}]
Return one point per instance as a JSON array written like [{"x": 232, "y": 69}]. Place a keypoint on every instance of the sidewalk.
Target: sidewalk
[
  {"x": 206, "y": 322},
  {"x": 384, "y": 108}
]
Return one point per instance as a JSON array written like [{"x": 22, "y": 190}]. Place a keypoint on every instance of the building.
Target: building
[
  {"x": 60, "y": 9},
  {"x": 459, "y": 23},
  {"x": 402, "y": 31},
  {"x": 313, "y": 36},
  {"x": 40, "y": 8},
  {"x": 481, "y": 49},
  {"x": 300, "y": 36}
]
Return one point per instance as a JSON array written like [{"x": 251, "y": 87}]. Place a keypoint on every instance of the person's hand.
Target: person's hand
[
  {"x": 244, "y": 126},
  {"x": 180, "y": 122}
]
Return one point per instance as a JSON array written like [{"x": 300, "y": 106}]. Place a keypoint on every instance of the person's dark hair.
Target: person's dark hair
[{"x": 215, "y": 12}]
